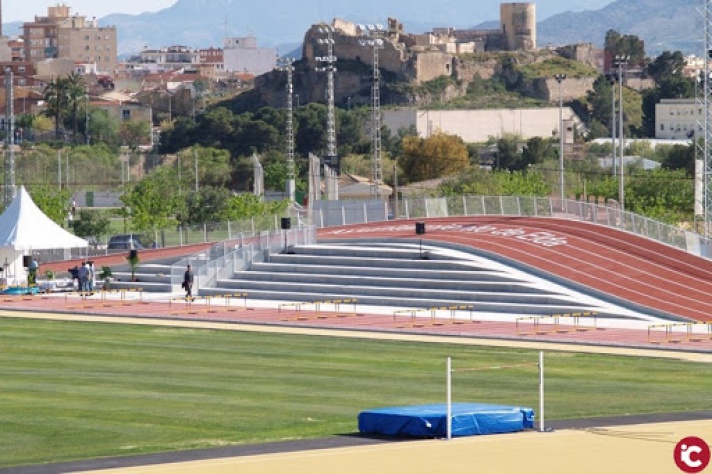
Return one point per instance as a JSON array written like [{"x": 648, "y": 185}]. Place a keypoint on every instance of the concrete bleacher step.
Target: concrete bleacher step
[
  {"x": 469, "y": 273},
  {"x": 400, "y": 303},
  {"x": 345, "y": 260},
  {"x": 396, "y": 279},
  {"x": 405, "y": 294}
]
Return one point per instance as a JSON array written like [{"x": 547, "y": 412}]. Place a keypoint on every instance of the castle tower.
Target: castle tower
[{"x": 519, "y": 26}]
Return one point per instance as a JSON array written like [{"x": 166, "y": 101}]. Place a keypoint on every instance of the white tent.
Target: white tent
[{"x": 24, "y": 228}]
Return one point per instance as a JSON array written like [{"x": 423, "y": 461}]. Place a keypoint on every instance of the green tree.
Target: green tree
[
  {"x": 509, "y": 156},
  {"x": 134, "y": 133},
  {"x": 55, "y": 95},
  {"x": 92, "y": 224},
  {"x": 433, "y": 157},
  {"x": 103, "y": 128},
  {"x": 536, "y": 151},
  {"x": 154, "y": 202},
  {"x": 209, "y": 204},
  {"x": 75, "y": 91},
  {"x": 53, "y": 202},
  {"x": 681, "y": 157},
  {"x": 628, "y": 45}
]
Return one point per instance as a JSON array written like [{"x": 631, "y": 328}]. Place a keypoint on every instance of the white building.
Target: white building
[
  {"x": 678, "y": 119},
  {"x": 477, "y": 126},
  {"x": 242, "y": 55}
]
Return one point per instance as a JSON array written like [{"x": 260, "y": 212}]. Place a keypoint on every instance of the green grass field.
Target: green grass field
[{"x": 81, "y": 390}]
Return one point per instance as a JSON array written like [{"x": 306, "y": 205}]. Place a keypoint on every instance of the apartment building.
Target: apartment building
[
  {"x": 242, "y": 55},
  {"x": 61, "y": 35},
  {"x": 678, "y": 119}
]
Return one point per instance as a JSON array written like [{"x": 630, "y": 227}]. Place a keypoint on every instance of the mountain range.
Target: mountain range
[{"x": 662, "y": 24}]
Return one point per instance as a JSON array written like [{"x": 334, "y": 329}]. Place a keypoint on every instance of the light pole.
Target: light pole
[
  {"x": 561, "y": 78},
  {"x": 86, "y": 118},
  {"x": 10, "y": 191},
  {"x": 373, "y": 32},
  {"x": 612, "y": 78},
  {"x": 620, "y": 60}
]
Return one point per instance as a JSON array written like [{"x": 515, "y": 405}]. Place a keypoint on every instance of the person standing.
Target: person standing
[
  {"x": 83, "y": 274},
  {"x": 188, "y": 282}
]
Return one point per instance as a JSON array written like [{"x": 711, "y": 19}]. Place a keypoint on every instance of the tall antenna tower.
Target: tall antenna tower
[
  {"x": 372, "y": 32},
  {"x": 10, "y": 191},
  {"x": 288, "y": 66},
  {"x": 331, "y": 158}
]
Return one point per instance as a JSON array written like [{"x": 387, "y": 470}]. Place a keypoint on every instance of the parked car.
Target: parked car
[{"x": 125, "y": 242}]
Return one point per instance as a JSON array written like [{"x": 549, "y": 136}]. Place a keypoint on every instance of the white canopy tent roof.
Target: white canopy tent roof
[{"x": 24, "y": 227}]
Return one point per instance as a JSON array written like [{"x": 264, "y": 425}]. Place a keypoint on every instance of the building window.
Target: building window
[
  {"x": 662, "y": 127},
  {"x": 21, "y": 81},
  {"x": 21, "y": 69},
  {"x": 126, "y": 114}
]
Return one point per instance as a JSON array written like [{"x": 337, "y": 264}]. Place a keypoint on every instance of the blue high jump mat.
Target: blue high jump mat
[{"x": 468, "y": 419}]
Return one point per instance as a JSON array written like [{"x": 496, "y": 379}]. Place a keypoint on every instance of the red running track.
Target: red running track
[{"x": 633, "y": 268}]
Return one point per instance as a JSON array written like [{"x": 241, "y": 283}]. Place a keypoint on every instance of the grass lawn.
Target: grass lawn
[{"x": 82, "y": 390}]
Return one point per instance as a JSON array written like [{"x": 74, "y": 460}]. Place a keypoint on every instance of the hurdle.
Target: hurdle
[
  {"x": 676, "y": 336},
  {"x": 296, "y": 307},
  {"x": 527, "y": 325},
  {"x": 230, "y": 296},
  {"x": 654, "y": 330},
  {"x": 699, "y": 336},
  {"x": 465, "y": 307},
  {"x": 451, "y": 371},
  {"x": 343, "y": 314},
  {"x": 412, "y": 313},
  {"x": 434, "y": 320}
]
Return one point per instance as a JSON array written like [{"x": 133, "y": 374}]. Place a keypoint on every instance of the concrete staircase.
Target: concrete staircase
[
  {"x": 153, "y": 276},
  {"x": 400, "y": 276}
]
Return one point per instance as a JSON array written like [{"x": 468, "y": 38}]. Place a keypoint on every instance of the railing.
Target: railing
[
  {"x": 610, "y": 216},
  {"x": 337, "y": 213},
  {"x": 226, "y": 258}
]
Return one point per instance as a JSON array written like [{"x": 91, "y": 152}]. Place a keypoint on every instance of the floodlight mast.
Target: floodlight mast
[
  {"x": 373, "y": 33},
  {"x": 288, "y": 67},
  {"x": 330, "y": 69},
  {"x": 707, "y": 141},
  {"x": 620, "y": 61}
]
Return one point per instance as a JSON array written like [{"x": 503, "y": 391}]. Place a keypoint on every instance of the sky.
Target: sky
[{"x": 25, "y": 10}]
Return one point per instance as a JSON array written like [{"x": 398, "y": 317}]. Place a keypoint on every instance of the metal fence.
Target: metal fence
[
  {"x": 610, "y": 216},
  {"x": 337, "y": 213}
]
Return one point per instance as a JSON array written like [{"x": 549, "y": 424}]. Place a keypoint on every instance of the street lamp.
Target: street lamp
[
  {"x": 619, "y": 61},
  {"x": 612, "y": 78},
  {"x": 561, "y": 78},
  {"x": 374, "y": 41}
]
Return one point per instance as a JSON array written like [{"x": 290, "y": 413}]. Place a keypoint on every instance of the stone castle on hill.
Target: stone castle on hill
[{"x": 422, "y": 57}]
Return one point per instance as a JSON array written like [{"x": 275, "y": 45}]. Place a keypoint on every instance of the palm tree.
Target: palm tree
[
  {"x": 56, "y": 98},
  {"x": 76, "y": 93}
]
